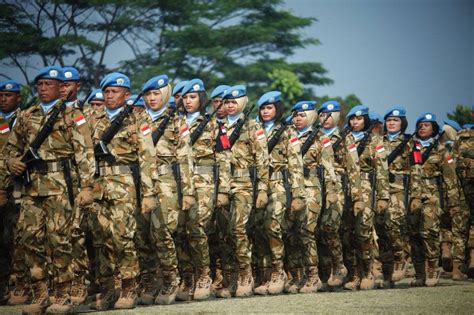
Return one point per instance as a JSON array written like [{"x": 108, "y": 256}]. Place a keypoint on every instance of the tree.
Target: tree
[
  {"x": 221, "y": 41},
  {"x": 461, "y": 114}
]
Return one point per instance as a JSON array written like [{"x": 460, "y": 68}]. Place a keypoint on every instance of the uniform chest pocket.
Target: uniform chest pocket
[{"x": 204, "y": 145}]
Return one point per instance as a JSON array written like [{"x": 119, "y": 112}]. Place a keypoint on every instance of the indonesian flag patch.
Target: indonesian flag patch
[
  {"x": 260, "y": 134},
  {"x": 145, "y": 129},
  {"x": 326, "y": 142},
  {"x": 380, "y": 148},
  {"x": 80, "y": 120},
  {"x": 450, "y": 159},
  {"x": 4, "y": 128},
  {"x": 294, "y": 141},
  {"x": 352, "y": 147},
  {"x": 418, "y": 146},
  {"x": 184, "y": 132}
]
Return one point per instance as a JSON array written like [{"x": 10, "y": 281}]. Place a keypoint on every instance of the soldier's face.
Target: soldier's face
[
  {"x": 48, "y": 90},
  {"x": 67, "y": 87},
  {"x": 154, "y": 99},
  {"x": 300, "y": 120},
  {"x": 393, "y": 124},
  {"x": 97, "y": 105},
  {"x": 357, "y": 123},
  {"x": 328, "y": 123},
  {"x": 268, "y": 112},
  {"x": 425, "y": 130},
  {"x": 177, "y": 97},
  {"x": 9, "y": 101},
  {"x": 222, "y": 112},
  {"x": 115, "y": 96},
  {"x": 191, "y": 102}
]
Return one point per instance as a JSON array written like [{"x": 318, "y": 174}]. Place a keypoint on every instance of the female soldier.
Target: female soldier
[
  {"x": 210, "y": 170},
  {"x": 374, "y": 190},
  {"x": 286, "y": 189}
]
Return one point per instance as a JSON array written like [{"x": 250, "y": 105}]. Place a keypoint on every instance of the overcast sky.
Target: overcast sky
[{"x": 416, "y": 53}]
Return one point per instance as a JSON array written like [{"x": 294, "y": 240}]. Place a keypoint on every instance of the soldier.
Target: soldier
[
  {"x": 126, "y": 161},
  {"x": 12, "y": 258},
  {"x": 138, "y": 106},
  {"x": 390, "y": 225},
  {"x": 377, "y": 120},
  {"x": 286, "y": 190},
  {"x": 374, "y": 186},
  {"x": 70, "y": 86},
  {"x": 174, "y": 165},
  {"x": 177, "y": 92},
  {"x": 435, "y": 170},
  {"x": 320, "y": 178},
  {"x": 94, "y": 105},
  {"x": 210, "y": 171},
  {"x": 64, "y": 158}
]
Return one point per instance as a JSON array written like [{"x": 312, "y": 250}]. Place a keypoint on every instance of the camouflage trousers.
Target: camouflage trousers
[
  {"x": 8, "y": 241},
  {"x": 225, "y": 255},
  {"x": 164, "y": 224},
  {"x": 389, "y": 227},
  {"x": 80, "y": 258},
  {"x": 423, "y": 226},
  {"x": 46, "y": 225},
  {"x": 469, "y": 194},
  {"x": 114, "y": 227},
  {"x": 299, "y": 229},
  {"x": 454, "y": 228}
]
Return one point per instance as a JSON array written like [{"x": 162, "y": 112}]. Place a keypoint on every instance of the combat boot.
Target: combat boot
[
  {"x": 368, "y": 280},
  {"x": 432, "y": 273},
  {"x": 186, "y": 289},
  {"x": 218, "y": 281},
  {"x": 128, "y": 295},
  {"x": 399, "y": 270},
  {"x": 446, "y": 258},
  {"x": 278, "y": 278},
  {"x": 106, "y": 298},
  {"x": 420, "y": 275},
  {"x": 78, "y": 291},
  {"x": 354, "y": 281},
  {"x": 457, "y": 273},
  {"x": 230, "y": 284},
  {"x": 313, "y": 283},
  {"x": 62, "y": 299},
  {"x": 167, "y": 294},
  {"x": 262, "y": 288},
  {"x": 203, "y": 284},
  {"x": 148, "y": 292},
  {"x": 387, "y": 270},
  {"x": 245, "y": 283},
  {"x": 470, "y": 270},
  {"x": 117, "y": 284},
  {"x": 337, "y": 275},
  {"x": 20, "y": 293},
  {"x": 293, "y": 277},
  {"x": 40, "y": 300}
]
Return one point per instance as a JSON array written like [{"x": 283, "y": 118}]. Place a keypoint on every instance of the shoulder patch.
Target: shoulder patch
[
  {"x": 184, "y": 131},
  {"x": 294, "y": 141},
  {"x": 260, "y": 134},
  {"x": 80, "y": 120},
  {"x": 145, "y": 129},
  {"x": 449, "y": 159},
  {"x": 380, "y": 148},
  {"x": 326, "y": 142},
  {"x": 352, "y": 147},
  {"x": 4, "y": 128}
]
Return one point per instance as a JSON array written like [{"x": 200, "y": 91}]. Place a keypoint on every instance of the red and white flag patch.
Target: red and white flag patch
[
  {"x": 80, "y": 120},
  {"x": 352, "y": 147},
  {"x": 326, "y": 142},
  {"x": 145, "y": 129},
  {"x": 450, "y": 159},
  {"x": 294, "y": 141},
  {"x": 184, "y": 132},
  {"x": 4, "y": 128},
  {"x": 380, "y": 148},
  {"x": 260, "y": 134}
]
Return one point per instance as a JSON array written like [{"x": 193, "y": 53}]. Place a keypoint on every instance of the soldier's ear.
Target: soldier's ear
[{"x": 127, "y": 93}]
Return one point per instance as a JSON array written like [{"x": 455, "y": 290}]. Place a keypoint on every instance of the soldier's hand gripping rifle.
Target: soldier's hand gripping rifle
[
  {"x": 363, "y": 142},
  {"x": 312, "y": 136},
  {"x": 31, "y": 157},
  {"x": 337, "y": 143},
  {"x": 200, "y": 128},
  {"x": 156, "y": 135},
  {"x": 276, "y": 137},
  {"x": 240, "y": 124},
  {"x": 399, "y": 149}
]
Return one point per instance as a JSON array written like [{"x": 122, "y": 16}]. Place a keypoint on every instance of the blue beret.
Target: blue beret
[
  {"x": 467, "y": 126},
  {"x": 194, "y": 85},
  {"x": 179, "y": 87},
  {"x": 373, "y": 116},
  {"x": 155, "y": 83},
  {"x": 329, "y": 106},
  {"x": 269, "y": 98},
  {"x": 115, "y": 79},
  {"x": 358, "y": 110},
  {"x": 220, "y": 90},
  {"x": 453, "y": 124},
  {"x": 51, "y": 73},
  {"x": 395, "y": 111},
  {"x": 171, "y": 102},
  {"x": 96, "y": 95},
  {"x": 289, "y": 120},
  {"x": 70, "y": 74},
  {"x": 132, "y": 98},
  {"x": 304, "y": 106},
  {"x": 426, "y": 117},
  {"x": 10, "y": 86},
  {"x": 235, "y": 91}
]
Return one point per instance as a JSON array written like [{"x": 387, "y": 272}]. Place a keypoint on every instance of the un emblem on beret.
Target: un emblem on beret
[
  {"x": 9, "y": 86},
  {"x": 235, "y": 93},
  {"x": 68, "y": 74},
  {"x": 120, "y": 81},
  {"x": 358, "y": 113},
  {"x": 428, "y": 116},
  {"x": 196, "y": 87},
  {"x": 396, "y": 113},
  {"x": 271, "y": 100},
  {"x": 330, "y": 106},
  {"x": 304, "y": 106},
  {"x": 129, "y": 102},
  {"x": 161, "y": 81},
  {"x": 99, "y": 95},
  {"x": 53, "y": 73}
]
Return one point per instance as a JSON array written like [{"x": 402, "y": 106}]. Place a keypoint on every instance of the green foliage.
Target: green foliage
[
  {"x": 288, "y": 84},
  {"x": 461, "y": 114}
]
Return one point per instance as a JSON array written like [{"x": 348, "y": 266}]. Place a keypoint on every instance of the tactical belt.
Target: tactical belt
[
  {"x": 203, "y": 169},
  {"x": 48, "y": 167},
  {"x": 276, "y": 176},
  {"x": 430, "y": 181},
  {"x": 365, "y": 175},
  {"x": 310, "y": 172},
  {"x": 243, "y": 172},
  {"x": 165, "y": 169},
  {"x": 396, "y": 178},
  {"x": 115, "y": 170}
]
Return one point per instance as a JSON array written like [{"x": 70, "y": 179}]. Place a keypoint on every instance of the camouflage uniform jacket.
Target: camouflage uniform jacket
[
  {"x": 6, "y": 126},
  {"x": 464, "y": 152}
]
